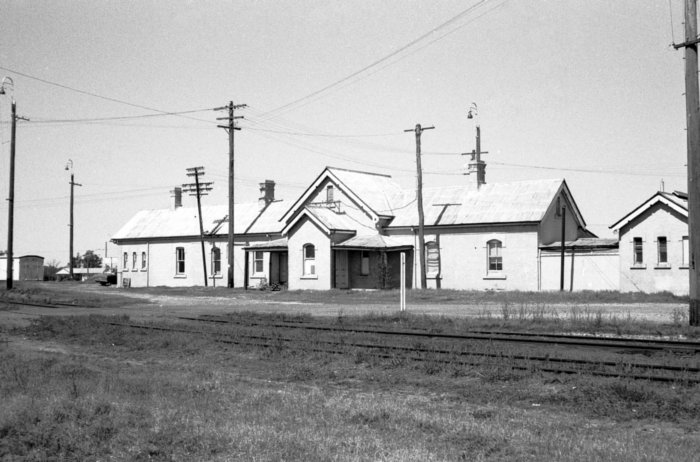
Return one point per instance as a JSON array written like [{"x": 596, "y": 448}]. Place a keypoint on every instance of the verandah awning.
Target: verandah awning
[
  {"x": 373, "y": 242},
  {"x": 276, "y": 245}
]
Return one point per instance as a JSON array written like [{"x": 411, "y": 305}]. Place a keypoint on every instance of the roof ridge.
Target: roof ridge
[{"x": 357, "y": 171}]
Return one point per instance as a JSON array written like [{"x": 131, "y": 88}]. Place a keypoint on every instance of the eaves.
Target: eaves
[{"x": 463, "y": 226}]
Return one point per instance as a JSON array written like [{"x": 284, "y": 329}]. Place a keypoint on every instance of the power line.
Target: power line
[
  {"x": 36, "y": 120},
  {"x": 95, "y": 95},
  {"x": 380, "y": 60},
  {"x": 408, "y": 54}
]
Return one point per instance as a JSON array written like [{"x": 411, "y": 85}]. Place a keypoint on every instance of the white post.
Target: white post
[{"x": 403, "y": 282}]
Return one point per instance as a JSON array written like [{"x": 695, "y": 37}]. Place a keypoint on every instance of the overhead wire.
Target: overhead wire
[
  {"x": 96, "y": 95},
  {"x": 381, "y": 60},
  {"x": 38, "y": 120}
]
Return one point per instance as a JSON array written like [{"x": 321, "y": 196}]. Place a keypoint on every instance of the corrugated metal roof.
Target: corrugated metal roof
[
  {"x": 184, "y": 221},
  {"x": 375, "y": 241},
  {"x": 274, "y": 244},
  {"x": 523, "y": 201},
  {"x": 336, "y": 221},
  {"x": 377, "y": 191},
  {"x": 584, "y": 243}
]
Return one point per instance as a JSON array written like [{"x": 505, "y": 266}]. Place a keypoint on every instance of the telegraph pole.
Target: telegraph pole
[
  {"x": 11, "y": 195},
  {"x": 69, "y": 166},
  {"x": 231, "y": 129},
  {"x": 11, "y": 200},
  {"x": 419, "y": 196},
  {"x": 199, "y": 189},
  {"x": 692, "y": 107},
  {"x": 563, "y": 248}
]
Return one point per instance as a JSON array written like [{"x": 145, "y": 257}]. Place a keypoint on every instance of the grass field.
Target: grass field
[{"x": 74, "y": 388}]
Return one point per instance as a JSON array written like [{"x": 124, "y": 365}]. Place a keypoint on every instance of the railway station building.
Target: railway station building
[{"x": 348, "y": 230}]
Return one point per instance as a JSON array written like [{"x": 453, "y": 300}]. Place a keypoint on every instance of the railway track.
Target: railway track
[
  {"x": 542, "y": 363},
  {"x": 440, "y": 353},
  {"x": 614, "y": 343}
]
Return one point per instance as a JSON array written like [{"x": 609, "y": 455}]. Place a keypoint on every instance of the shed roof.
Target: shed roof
[
  {"x": 588, "y": 243},
  {"x": 376, "y": 242}
]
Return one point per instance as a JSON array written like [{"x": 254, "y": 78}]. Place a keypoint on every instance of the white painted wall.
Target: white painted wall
[
  {"x": 306, "y": 232},
  {"x": 592, "y": 271},
  {"x": 650, "y": 277},
  {"x": 161, "y": 271},
  {"x": 464, "y": 263},
  {"x": 3, "y": 269}
]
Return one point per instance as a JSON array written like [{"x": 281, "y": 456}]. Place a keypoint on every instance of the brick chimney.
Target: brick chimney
[
  {"x": 176, "y": 194},
  {"x": 267, "y": 193}
]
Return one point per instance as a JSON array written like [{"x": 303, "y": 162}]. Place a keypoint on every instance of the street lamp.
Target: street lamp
[{"x": 7, "y": 81}]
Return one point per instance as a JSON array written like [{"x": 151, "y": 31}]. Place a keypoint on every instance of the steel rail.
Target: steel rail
[
  {"x": 559, "y": 339},
  {"x": 658, "y": 378}
]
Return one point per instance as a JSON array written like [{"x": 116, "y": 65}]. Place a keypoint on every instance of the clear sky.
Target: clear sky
[{"x": 590, "y": 91}]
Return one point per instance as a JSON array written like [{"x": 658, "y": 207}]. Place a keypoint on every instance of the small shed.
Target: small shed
[{"x": 24, "y": 268}]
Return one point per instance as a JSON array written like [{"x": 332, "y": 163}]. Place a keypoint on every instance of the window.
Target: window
[
  {"x": 133, "y": 261},
  {"x": 329, "y": 193},
  {"x": 126, "y": 261},
  {"x": 258, "y": 261},
  {"x": 309, "y": 260},
  {"x": 494, "y": 255},
  {"x": 432, "y": 258},
  {"x": 662, "y": 248},
  {"x": 638, "y": 251},
  {"x": 685, "y": 251},
  {"x": 364, "y": 267},
  {"x": 144, "y": 261},
  {"x": 180, "y": 260},
  {"x": 216, "y": 260}
]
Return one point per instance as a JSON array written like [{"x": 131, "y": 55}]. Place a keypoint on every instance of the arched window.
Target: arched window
[
  {"x": 432, "y": 258},
  {"x": 216, "y": 260},
  {"x": 495, "y": 259},
  {"x": 125, "y": 266},
  {"x": 329, "y": 193},
  {"x": 144, "y": 262},
  {"x": 309, "y": 260},
  {"x": 133, "y": 261}
]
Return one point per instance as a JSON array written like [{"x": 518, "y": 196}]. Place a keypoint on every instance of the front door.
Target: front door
[
  {"x": 341, "y": 270},
  {"x": 283, "y": 267}
]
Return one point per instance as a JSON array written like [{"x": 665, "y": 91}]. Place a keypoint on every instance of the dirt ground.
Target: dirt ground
[{"x": 152, "y": 306}]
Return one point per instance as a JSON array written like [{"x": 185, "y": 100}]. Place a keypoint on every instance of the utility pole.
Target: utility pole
[
  {"x": 199, "y": 189},
  {"x": 11, "y": 200},
  {"x": 692, "y": 107},
  {"x": 69, "y": 166},
  {"x": 11, "y": 195},
  {"x": 419, "y": 196},
  {"x": 563, "y": 248},
  {"x": 231, "y": 129}
]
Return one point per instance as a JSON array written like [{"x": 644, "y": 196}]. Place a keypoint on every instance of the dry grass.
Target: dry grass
[{"x": 77, "y": 389}]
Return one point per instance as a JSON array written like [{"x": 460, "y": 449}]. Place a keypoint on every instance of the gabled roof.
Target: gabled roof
[
  {"x": 373, "y": 192},
  {"x": 184, "y": 221},
  {"x": 326, "y": 219},
  {"x": 516, "y": 202},
  {"x": 677, "y": 201}
]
